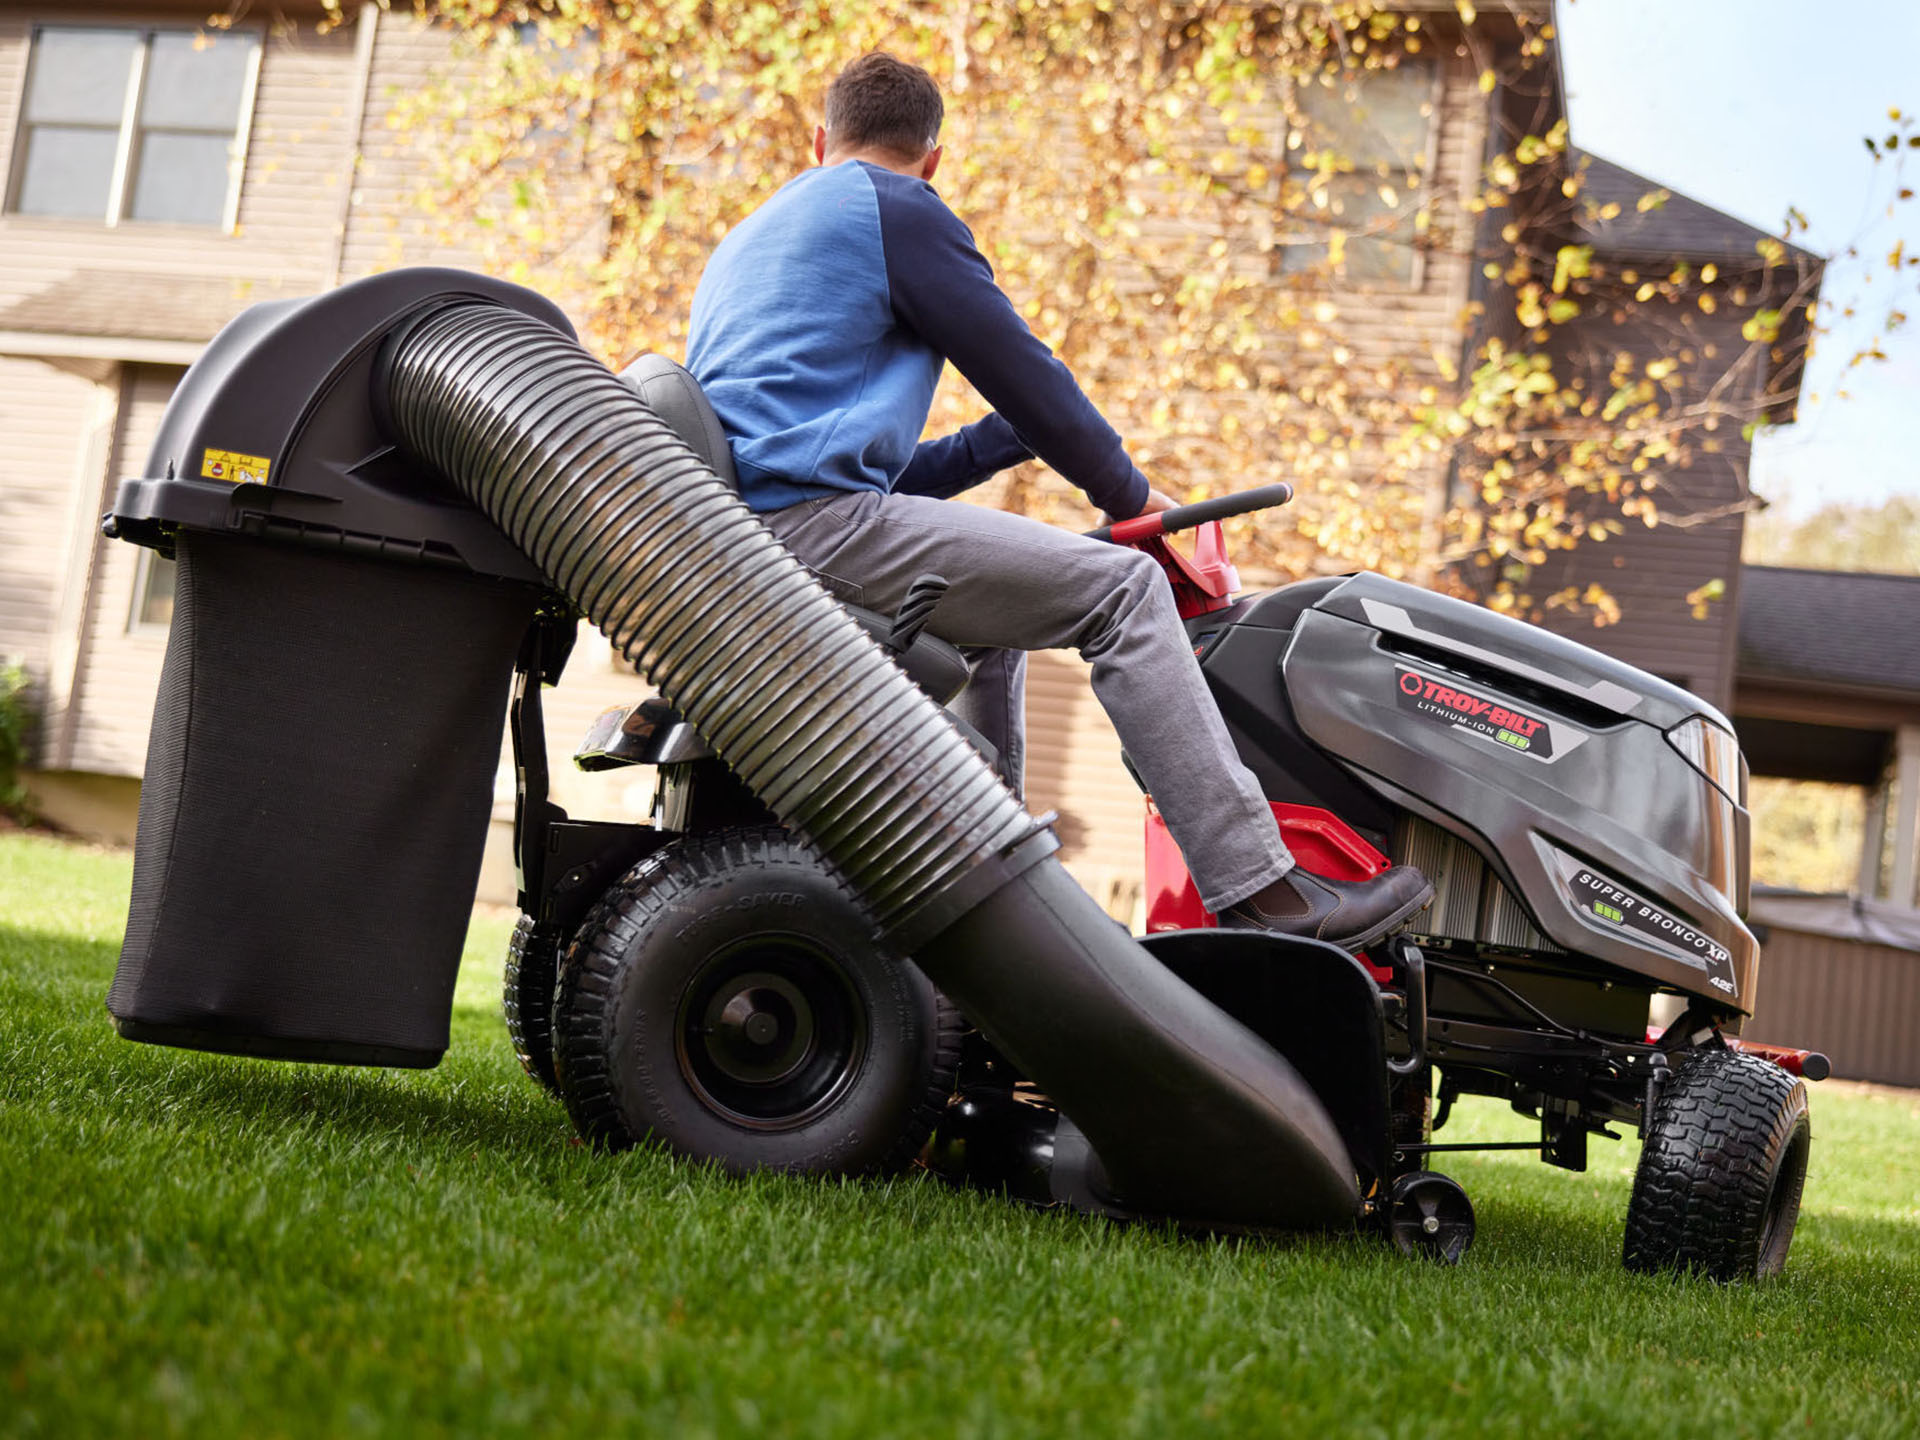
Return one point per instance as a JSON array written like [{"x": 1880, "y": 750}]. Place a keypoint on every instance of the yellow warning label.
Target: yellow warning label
[{"x": 233, "y": 467}]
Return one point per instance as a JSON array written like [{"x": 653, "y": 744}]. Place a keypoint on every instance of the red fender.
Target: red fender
[{"x": 1321, "y": 841}]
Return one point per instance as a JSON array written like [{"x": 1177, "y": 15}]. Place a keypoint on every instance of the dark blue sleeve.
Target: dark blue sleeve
[
  {"x": 942, "y": 289},
  {"x": 943, "y": 468}
]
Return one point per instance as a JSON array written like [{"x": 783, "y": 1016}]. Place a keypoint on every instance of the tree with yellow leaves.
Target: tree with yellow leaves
[{"x": 1270, "y": 239}]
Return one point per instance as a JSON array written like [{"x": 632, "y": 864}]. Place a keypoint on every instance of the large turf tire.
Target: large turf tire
[
  {"x": 533, "y": 960},
  {"x": 854, "y": 1055},
  {"x": 1718, "y": 1188}
]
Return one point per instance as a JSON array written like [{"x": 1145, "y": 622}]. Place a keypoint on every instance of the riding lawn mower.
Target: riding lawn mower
[{"x": 841, "y": 945}]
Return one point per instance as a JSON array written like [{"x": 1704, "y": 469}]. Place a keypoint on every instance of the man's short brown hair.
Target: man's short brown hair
[{"x": 880, "y": 103}]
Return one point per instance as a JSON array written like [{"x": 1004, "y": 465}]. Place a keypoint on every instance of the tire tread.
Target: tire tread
[
  {"x": 1722, "y": 1128},
  {"x": 533, "y": 957},
  {"x": 590, "y": 968}
]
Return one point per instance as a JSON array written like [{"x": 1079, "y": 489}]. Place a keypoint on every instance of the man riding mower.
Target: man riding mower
[
  {"x": 843, "y": 934},
  {"x": 844, "y": 945}
]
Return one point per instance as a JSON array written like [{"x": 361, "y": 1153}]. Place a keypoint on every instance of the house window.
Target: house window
[
  {"x": 153, "y": 591},
  {"x": 135, "y": 124},
  {"x": 1359, "y": 153}
]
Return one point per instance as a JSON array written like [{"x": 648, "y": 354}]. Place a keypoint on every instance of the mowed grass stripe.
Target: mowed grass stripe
[{"x": 196, "y": 1245}]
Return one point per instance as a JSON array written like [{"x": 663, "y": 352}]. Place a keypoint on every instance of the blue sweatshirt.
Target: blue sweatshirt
[{"x": 819, "y": 331}]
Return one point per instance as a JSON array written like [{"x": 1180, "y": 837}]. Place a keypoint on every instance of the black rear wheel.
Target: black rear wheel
[
  {"x": 728, "y": 998},
  {"x": 1720, "y": 1176},
  {"x": 533, "y": 958}
]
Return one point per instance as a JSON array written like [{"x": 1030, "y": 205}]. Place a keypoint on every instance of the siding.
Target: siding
[
  {"x": 1649, "y": 573},
  {"x": 1073, "y": 755},
  {"x": 120, "y": 667},
  {"x": 386, "y": 228},
  {"x": 1074, "y": 767},
  {"x": 46, "y": 413},
  {"x": 299, "y": 158},
  {"x": 1856, "y": 1003},
  {"x": 300, "y": 155}
]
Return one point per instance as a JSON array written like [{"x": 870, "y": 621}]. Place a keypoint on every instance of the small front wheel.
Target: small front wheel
[
  {"x": 1429, "y": 1215},
  {"x": 1718, "y": 1186},
  {"x": 730, "y": 999}
]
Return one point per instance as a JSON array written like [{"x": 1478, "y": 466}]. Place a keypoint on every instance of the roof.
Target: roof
[
  {"x": 1680, "y": 227},
  {"x": 1830, "y": 627},
  {"x": 134, "y": 305},
  {"x": 1840, "y": 917}
]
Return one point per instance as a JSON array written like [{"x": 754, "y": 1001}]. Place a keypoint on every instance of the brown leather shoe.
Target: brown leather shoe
[{"x": 1353, "y": 914}]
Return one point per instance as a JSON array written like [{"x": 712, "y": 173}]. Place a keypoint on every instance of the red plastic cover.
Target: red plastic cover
[{"x": 1321, "y": 841}]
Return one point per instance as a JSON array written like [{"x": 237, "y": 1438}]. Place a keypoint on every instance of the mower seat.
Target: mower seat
[{"x": 674, "y": 395}]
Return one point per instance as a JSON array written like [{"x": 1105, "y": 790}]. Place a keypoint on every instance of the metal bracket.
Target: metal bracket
[
  {"x": 1406, "y": 957},
  {"x": 1659, "y": 1071},
  {"x": 533, "y": 813}
]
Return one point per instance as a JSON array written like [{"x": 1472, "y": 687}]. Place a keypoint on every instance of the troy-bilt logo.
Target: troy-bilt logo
[{"x": 1444, "y": 701}]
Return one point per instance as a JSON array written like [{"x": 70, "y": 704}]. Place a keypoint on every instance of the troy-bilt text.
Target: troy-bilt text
[
  {"x": 1468, "y": 706},
  {"x": 1447, "y": 703}
]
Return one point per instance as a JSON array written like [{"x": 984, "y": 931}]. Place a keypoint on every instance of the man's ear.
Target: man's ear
[
  {"x": 820, "y": 144},
  {"x": 932, "y": 162}
]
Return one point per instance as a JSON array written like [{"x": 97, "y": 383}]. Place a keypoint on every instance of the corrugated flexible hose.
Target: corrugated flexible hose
[
  {"x": 624, "y": 518},
  {"x": 1191, "y": 1113}
]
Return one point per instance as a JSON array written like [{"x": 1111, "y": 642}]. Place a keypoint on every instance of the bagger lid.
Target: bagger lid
[{"x": 273, "y": 433}]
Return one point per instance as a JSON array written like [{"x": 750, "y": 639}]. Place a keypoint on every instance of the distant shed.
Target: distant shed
[
  {"x": 1841, "y": 975},
  {"x": 1827, "y": 688}
]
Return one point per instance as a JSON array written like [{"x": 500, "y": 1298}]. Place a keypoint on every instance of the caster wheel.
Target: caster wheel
[{"x": 1429, "y": 1215}]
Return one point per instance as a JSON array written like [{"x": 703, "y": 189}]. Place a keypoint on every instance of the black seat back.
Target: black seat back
[{"x": 675, "y": 396}]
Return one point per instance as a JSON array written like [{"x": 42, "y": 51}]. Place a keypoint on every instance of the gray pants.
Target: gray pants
[{"x": 1019, "y": 585}]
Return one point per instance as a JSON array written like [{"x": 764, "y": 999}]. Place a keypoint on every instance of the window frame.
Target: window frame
[
  {"x": 137, "y": 621},
  {"x": 120, "y": 182},
  {"x": 1436, "y": 67}
]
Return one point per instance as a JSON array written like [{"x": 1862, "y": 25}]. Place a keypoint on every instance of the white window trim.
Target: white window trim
[
  {"x": 130, "y": 125},
  {"x": 143, "y": 567},
  {"x": 243, "y": 135}
]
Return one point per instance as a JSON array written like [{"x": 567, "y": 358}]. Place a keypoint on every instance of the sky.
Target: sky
[{"x": 1752, "y": 106}]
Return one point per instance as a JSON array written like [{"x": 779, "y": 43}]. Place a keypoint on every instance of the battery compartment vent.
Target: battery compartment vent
[{"x": 1470, "y": 901}]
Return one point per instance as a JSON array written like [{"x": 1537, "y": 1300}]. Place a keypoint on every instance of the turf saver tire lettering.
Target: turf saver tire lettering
[
  {"x": 646, "y": 981},
  {"x": 533, "y": 962},
  {"x": 1718, "y": 1187}
]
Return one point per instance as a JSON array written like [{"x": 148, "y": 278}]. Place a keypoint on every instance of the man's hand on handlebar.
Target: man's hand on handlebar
[
  {"x": 1157, "y": 500},
  {"x": 1163, "y": 517}
]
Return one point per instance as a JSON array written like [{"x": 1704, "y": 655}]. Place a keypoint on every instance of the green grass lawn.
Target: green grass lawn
[{"x": 192, "y": 1245}]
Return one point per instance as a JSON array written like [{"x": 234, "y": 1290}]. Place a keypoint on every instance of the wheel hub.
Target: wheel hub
[
  {"x": 759, "y": 1028},
  {"x": 771, "y": 1032}
]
